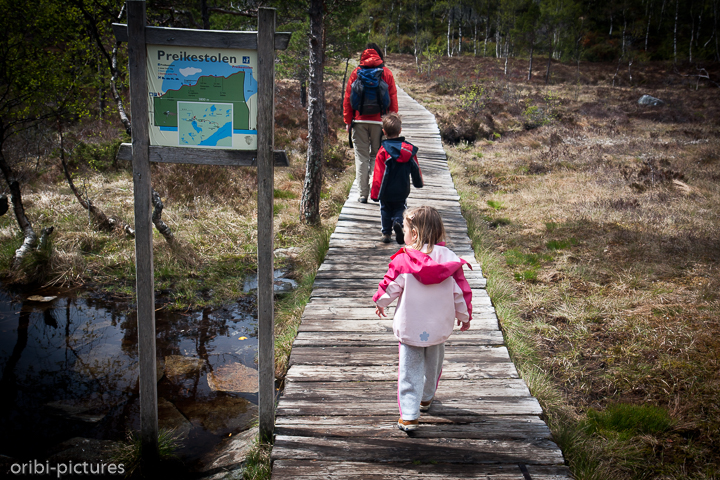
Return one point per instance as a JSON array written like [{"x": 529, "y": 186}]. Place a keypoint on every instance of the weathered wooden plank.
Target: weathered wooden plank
[
  {"x": 480, "y": 298},
  {"x": 203, "y": 156},
  {"x": 384, "y": 355},
  {"x": 530, "y": 451},
  {"x": 188, "y": 37},
  {"x": 376, "y": 373},
  {"x": 449, "y": 392},
  {"x": 349, "y": 283},
  {"x": 432, "y": 426},
  {"x": 317, "y": 469},
  {"x": 329, "y": 339},
  {"x": 330, "y": 324}
]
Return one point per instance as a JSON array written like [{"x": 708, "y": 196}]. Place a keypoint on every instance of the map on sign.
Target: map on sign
[{"x": 202, "y": 98}]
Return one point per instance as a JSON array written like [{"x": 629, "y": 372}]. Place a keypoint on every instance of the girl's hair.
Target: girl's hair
[{"x": 428, "y": 224}]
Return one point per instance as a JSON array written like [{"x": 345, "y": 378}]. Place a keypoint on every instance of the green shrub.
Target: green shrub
[{"x": 628, "y": 420}]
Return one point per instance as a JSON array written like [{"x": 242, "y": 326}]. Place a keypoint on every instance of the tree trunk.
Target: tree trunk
[
  {"x": 487, "y": 33},
  {"x": 647, "y": 32},
  {"x": 157, "y": 218},
  {"x": 97, "y": 216},
  {"x": 205, "y": 14},
  {"x": 415, "y": 46},
  {"x": 342, "y": 85},
  {"x": 460, "y": 38},
  {"x": 532, "y": 44},
  {"x": 677, "y": 5},
  {"x": 448, "y": 37},
  {"x": 547, "y": 73},
  {"x": 310, "y": 202},
  {"x": 16, "y": 200},
  {"x": 692, "y": 33},
  {"x": 475, "y": 40}
]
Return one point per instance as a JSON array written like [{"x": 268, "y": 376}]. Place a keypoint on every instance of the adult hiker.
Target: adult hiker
[{"x": 370, "y": 94}]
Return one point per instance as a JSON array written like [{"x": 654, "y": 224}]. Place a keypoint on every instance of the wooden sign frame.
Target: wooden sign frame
[{"x": 138, "y": 34}]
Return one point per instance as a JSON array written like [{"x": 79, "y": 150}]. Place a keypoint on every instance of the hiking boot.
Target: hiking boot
[
  {"x": 385, "y": 238},
  {"x": 399, "y": 234},
  {"x": 362, "y": 199},
  {"x": 407, "y": 425},
  {"x": 425, "y": 406}
]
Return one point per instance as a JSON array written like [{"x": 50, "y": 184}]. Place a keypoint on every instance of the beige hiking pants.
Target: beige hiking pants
[{"x": 366, "y": 139}]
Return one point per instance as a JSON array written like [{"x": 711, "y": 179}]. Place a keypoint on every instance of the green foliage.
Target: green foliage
[
  {"x": 496, "y": 204},
  {"x": 515, "y": 257},
  {"x": 128, "y": 453},
  {"x": 473, "y": 98},
  {"x": 561, "y": 244},
  {"x": 98, "y": 156},
  {"x": 285, "y": 194},
  {"x": 543, "y": 114},
  {"x": 626, "y": 420}
]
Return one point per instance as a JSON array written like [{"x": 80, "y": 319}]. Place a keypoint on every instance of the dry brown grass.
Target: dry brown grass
[{"x": 611, "y": 226}]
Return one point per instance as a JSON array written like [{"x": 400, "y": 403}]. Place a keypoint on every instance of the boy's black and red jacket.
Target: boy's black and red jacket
[{"x": 395, "y": 164}]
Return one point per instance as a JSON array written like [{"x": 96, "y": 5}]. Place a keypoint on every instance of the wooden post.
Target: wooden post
[
  {"x": 265, "y": 163},
  {"x": 145, "y": 283}
]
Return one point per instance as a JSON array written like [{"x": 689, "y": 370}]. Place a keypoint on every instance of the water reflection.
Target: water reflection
[{"x": 70, "y": 368}]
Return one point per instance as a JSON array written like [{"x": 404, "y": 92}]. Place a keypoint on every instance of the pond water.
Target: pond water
[{"x": 70, "y": 369}]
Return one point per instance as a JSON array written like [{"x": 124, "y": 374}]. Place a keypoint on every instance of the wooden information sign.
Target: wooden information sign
[{"x": 195, "y": 99}]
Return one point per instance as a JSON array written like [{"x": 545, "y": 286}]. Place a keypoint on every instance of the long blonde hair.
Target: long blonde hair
[{"x": 427, "y": 224}]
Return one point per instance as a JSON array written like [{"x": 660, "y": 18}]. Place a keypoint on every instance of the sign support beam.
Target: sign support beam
[
  {"x": 145, "y": 281},
  {"x": 266, "y": 172}
]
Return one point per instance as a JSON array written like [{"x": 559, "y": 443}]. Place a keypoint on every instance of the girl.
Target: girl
[{"x": 427, "y": 279}]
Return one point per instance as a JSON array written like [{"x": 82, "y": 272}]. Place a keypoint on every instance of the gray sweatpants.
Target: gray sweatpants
[{"x": 418, "y": 376}]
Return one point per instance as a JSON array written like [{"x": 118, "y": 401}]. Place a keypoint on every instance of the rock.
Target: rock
[
  {"x": 649, "y": 100},
  {"x": 88, "y": 410},
  {"x": 233, "y": 377},
  {"x": 170, "y": 417},
  {"x": 178, "y": 366},
  {"x": 226, "y": 460},
  {"x": 291, "y": 252},
  {"x": 221, "y": 415},
  {"x": 280, "y": 284},
  {"x": 80, "y": 450},
  {"x": 39, "y": 298}
]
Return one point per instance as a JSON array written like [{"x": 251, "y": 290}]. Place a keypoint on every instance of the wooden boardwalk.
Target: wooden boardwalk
[{"x": 337, "y": 416}]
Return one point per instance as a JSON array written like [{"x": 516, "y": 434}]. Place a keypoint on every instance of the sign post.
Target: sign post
[{"x": 201, "y": 113}]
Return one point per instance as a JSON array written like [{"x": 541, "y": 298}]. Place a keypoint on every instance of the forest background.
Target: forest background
[{"x": 617, "y": 348}]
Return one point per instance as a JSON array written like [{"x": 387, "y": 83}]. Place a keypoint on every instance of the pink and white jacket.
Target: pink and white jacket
[{"x": 431, "y": 290}]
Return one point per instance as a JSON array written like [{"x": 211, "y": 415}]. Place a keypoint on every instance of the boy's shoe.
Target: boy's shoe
[
  {"x": 399, "y": 234},
  {"x": 385, "y": 238},
  {"x": 425, "y": 406},
  {"x": 407, "y": 425},
  {"x": 362, "y": 199}
]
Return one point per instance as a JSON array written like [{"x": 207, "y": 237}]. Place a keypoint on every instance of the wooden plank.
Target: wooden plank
[
  {"x": 203, "y": 156},
  {"x": 342, "y": 355},
  {"x": 449, "y": 392},
  {"x": 476, "y": 426},
  {"x": 142, "y": 187},
  {"x": 377, "y": 373},
  {"x": 330, "y": 339},
  {"x": 265, "y": 178},
  {"x": 324, "y": 469},
  {"x": 189, "y": 37},
  {"x": 409, "y": 449}
]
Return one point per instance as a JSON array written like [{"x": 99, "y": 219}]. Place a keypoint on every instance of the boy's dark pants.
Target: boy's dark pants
[{"x": 391, "y": 212}]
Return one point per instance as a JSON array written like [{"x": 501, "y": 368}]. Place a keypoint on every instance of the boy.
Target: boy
[{"x": 395, "y": 164}]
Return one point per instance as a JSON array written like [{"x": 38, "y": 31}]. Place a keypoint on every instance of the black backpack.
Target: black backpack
[{"x": 370, "y": 93}]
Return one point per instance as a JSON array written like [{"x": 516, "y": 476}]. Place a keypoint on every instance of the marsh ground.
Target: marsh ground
[{"x": 598, "y": 223}]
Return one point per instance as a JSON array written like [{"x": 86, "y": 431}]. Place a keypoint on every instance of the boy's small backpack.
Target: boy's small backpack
[{"x": 370, "y": 93}]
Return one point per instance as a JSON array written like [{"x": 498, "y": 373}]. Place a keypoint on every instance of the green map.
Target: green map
[{"x": 209, "y": 89}]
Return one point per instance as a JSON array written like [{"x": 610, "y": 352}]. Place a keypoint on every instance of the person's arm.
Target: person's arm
[
  {"x": 392, "y": 89},
  {"x": 378, "y": 173},
  {"x": 348, "y": 112},
  {"x": 392, "y": 291},
  {"x": 416, "y": 173},
  {"x": 461, "y": 309}
]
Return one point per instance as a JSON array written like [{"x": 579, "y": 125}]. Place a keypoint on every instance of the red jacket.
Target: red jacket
[
  {"x": 396, "y": 164},
  {"x": 369, "y": 58}
]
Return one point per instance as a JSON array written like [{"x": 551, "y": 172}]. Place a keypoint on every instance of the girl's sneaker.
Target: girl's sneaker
[
  {"x": 425, "y": 406},
  {"x": 407, "y": 425}
]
